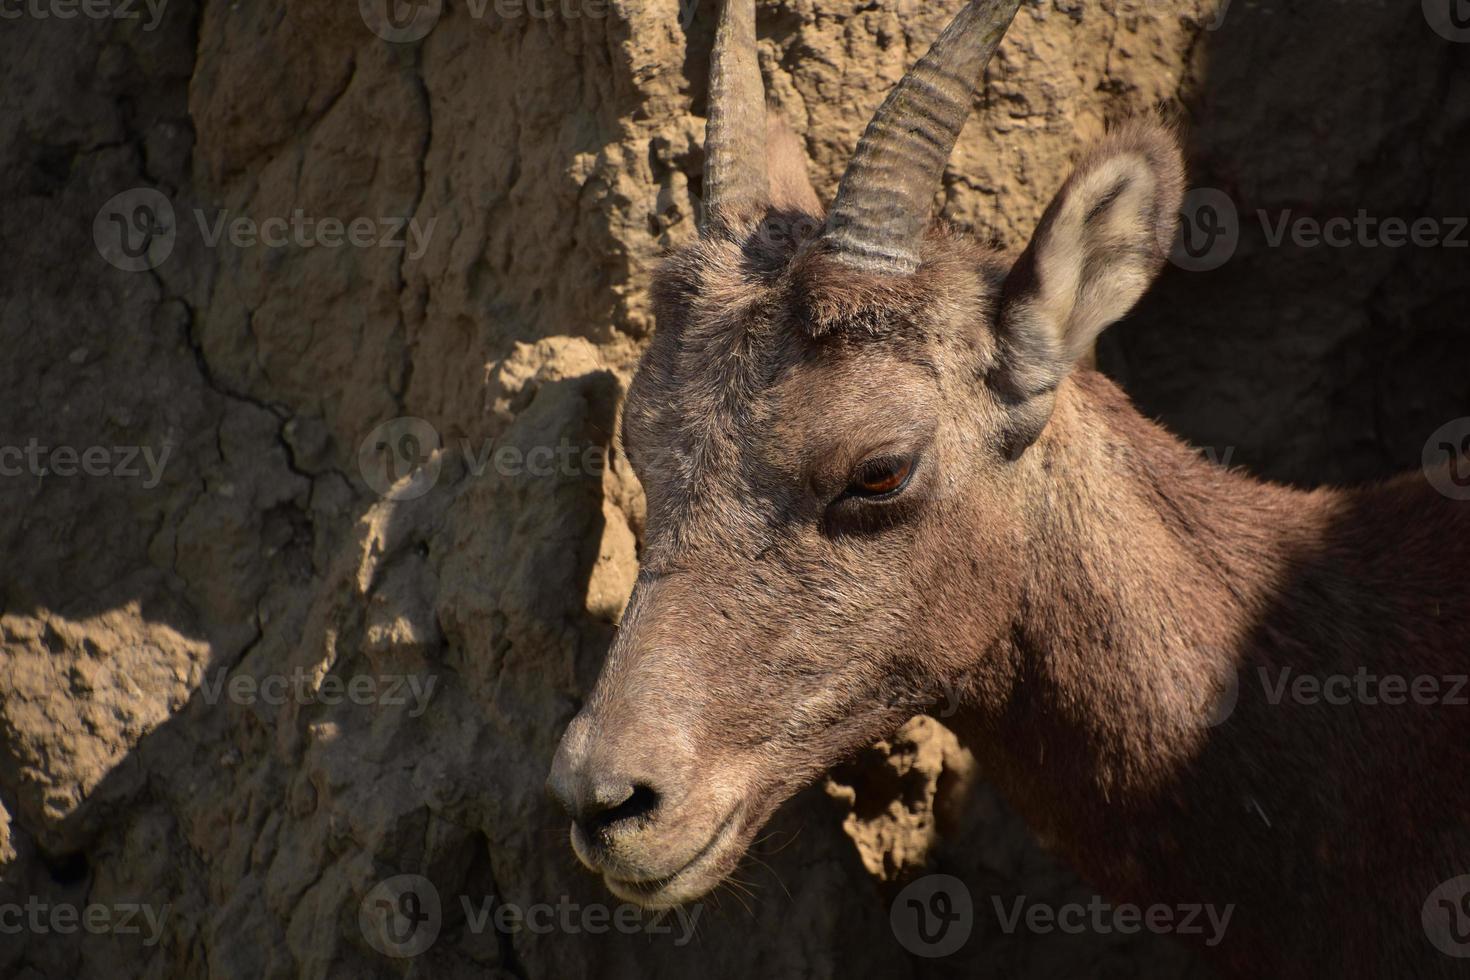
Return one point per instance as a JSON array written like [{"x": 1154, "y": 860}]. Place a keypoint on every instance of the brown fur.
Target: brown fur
[{"x": 1083, "y": 578}]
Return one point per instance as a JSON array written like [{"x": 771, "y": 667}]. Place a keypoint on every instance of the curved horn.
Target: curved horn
[
  {"x": 735, "y": 133},
  {"x": 883, "y": 203}
]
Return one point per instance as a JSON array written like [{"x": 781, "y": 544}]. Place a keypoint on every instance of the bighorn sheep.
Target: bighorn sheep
[{"x": 874, "y": 469}]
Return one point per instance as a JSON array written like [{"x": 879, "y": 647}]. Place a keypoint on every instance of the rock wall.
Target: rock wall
[{"x": 247, "y": 680}]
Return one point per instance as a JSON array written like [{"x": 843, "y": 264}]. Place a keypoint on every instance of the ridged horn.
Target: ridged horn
[
  {"x": 883, "y": 204},
  {"x": 735, "y": 179}
]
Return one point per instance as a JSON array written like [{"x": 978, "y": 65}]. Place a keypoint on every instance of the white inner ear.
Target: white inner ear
[{"x": 1098, "y": 254}]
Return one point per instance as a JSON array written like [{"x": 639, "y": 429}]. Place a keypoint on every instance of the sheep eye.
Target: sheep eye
[{"x": 881, "y": 477}]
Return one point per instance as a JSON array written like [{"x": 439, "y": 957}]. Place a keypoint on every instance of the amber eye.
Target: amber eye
[{"x": 881, "y": 477}]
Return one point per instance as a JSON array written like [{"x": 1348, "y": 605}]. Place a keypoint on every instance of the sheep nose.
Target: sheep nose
[
  {"x": 604, "y": 806},
  {"x": 602, "y": 800}
]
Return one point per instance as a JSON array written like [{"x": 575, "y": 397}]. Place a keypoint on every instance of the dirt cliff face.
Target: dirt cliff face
[{"x": 316, "y": 322}]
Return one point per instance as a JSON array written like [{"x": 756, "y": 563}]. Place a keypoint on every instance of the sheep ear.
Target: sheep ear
[
  {"x": 1097, "y": 249},
  {"x": 791, "y": 185}
]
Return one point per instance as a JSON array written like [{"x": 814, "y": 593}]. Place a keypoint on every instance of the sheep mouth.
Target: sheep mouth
[{"x": 696, "y": 877}]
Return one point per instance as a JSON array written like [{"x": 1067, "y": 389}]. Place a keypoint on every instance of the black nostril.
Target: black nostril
[
  {"x": 642, "y": 801},
  {"x": 616, "y": 804}
]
